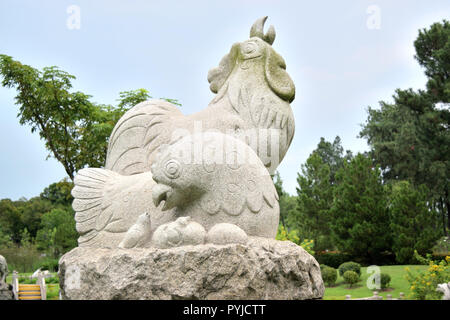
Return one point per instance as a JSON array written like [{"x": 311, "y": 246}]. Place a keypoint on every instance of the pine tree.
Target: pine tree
[
  {"x": 360, "y": 219},
  {"x": 412, "y": 223},
  {"x": 314, "y": 199}
]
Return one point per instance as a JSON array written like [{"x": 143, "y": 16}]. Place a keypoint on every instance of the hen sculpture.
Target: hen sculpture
[{"x": 173, "y": 180}]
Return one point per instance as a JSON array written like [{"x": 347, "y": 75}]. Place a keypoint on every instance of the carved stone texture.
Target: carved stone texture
[
  {"x": 6, "y": 292},
  {"x": 262, "y": 269},
  {"x": 254, "y": 93},
  {"x": 210, "y": 177},
  {"x": 445, "y": 289},
  {"x": 214, "y": 178},
  {"x": 3, "y": 269}
]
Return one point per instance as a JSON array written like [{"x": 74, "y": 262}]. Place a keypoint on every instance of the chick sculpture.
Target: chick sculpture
[{"x": 253, "y": 99}]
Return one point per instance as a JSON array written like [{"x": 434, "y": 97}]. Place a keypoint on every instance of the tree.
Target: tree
[
  {"x": 360, "y": 218},
  {"x": 31, "y": 212},
  {"x": 333, "y": 155},
  {"x": 433, "y": 53},
  {"x": 10, "y": 220},
  {"x": 59, "y": 193},
  {"x": 411, "y": 221},
  {"x": 314, "y": 199},
  {"x": 288, "y": 204},
  {"x": 410, "y": 138},
  {"x": 75, "y": 130},
  {"x": 57, "y": 232},
  {"x": 315, "y": 191}
]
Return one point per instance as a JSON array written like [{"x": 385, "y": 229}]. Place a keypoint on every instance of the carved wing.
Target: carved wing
[
  {"x": 138, "y": 134},
  {"x": 95, "y": 194}
]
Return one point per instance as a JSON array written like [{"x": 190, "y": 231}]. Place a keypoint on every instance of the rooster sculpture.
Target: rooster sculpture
[{"x": 254, "y": 93}]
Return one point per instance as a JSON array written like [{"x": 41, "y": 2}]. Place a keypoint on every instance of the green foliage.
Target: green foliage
[
  {"x": 350, "y": 277},
  {"x": 75, "y": 129},
  {"x": 42, "y": 224},
  {"x": 5, "y": 239},
  {"x": 333, "y": 155},
  {"x": 22, "y": 259},
  {"x": 27, "y": 280},
  {"x": 423, "y": 284},
  {"x": 59, "y": 193},
  {"x": 31, "y": 212},
  {"x": 57, "y": 231},
  {"x": 314, "y": 198},
  {"x": 412, "y": 223},
  {"x": 50, "y": 264},
  {"x": 10, "y": 220},
  {"x": 329, "y": 275},
  {"x": 52, "y": 280},
  {"x": 360, "y": 211},
  {"x": 332, "y": 259},
  {"x": 129, "y": 99},
  {"x": 316, "y": 182},
  {"x": 308, "y": 245},
  {"x": 292, "y": 236},
  {"x": 285, "y": 235},
  {"x": 385, "y": 279},
  {"x": 433, "y": 53},
  {"x": 350, "y": 265},
  {"x": 442, "y": 247},
  {"x": 409, "y": 138}
]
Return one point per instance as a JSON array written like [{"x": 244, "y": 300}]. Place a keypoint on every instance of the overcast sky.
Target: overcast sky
[{"x": 342, "y": 55}]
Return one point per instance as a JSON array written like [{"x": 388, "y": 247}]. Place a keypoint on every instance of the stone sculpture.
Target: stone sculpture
[
  {"x": 185, "y": 206},
  {"x": 3, "y": 270},
  {"x": 181, "y": 232},
  {"x": 6, "y": 292},
  {"x": 445, "y": 289},
  {"x": 228, "y": 184},
  {"x": 253, "y": 99}
]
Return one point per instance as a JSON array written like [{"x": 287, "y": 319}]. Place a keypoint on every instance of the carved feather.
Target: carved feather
[{"x": 138, "y": 134}]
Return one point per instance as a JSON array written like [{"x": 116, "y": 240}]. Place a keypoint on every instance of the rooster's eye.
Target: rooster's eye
[{"x": 172, "y": 169}]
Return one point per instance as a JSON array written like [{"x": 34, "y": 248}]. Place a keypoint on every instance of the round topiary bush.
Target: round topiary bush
[
  {"x": 350, "y": 266},
  {"x": 329, "y": 275},
  {"x": 351, "y": 277},
  {"x": 385, "y": 279}
]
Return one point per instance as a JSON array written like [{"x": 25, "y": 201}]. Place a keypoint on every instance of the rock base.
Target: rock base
[
  {"x": 262, "y": 269},
  {"x": 6, "y": 292}
]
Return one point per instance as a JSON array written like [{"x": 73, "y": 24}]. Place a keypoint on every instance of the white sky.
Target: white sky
[{"x": 339, "y": 65}]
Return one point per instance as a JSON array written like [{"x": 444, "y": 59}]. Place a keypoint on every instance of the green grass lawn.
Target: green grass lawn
[{"x": 398, "y": 284}]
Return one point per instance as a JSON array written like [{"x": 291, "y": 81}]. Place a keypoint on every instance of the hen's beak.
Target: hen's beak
[{"x": 159, "y": 193}]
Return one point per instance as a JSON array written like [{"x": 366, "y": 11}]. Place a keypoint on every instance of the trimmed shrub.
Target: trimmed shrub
[
  {"x": 329, "y": 275},
  {"x": 351, "y": 277},
  {"x": 350, "y": 266},
  {"x": 332, "y": 259},
  {"x": 26, "y": 280},
  {"x": 52, "y": 280},
  {"x": 385, "y": 279},
  {"x": 50, "y": 264}
]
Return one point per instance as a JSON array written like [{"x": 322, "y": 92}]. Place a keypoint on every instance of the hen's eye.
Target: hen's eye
[{"x": 172, "y": 169}]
